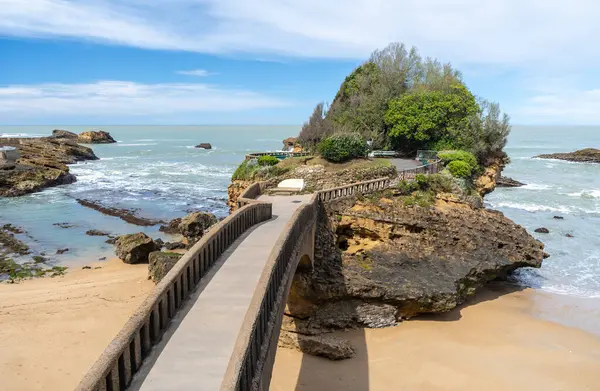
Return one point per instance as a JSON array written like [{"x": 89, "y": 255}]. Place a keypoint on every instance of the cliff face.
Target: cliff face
[
  {"x": 486, "y": 183},
  {"x": 377, "y": 261}
]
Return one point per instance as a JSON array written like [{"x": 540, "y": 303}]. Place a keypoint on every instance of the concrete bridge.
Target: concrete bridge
[{"x": 213, "y": 322}]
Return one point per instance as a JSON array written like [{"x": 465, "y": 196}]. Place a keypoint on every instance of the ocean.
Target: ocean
[{"x": 157, "y": 170}]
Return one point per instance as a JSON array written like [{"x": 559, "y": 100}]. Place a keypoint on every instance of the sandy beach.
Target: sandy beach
[
  {"x": 498, "y": 341},
  {"x": 53, "y": 329}
]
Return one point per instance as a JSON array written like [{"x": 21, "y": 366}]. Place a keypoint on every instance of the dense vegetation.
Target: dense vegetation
[
  {"x": 342, "y": 147},
  {"x": 403, "y": 102}
]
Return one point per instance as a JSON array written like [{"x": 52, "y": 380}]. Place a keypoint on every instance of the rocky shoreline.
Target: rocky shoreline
[
  {"x": 588, "y": 155},
  {"x": 43, "y": 161}
]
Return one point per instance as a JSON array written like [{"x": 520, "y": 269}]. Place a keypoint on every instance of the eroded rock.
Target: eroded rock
[
  {"x": 135, "y": 248},
  {"x": 508, "y": 182},
  {"x": 95, "y": 137},
  {"x": 204, "y": 146},
  {"x": 160, "y": 263},
  {"x": 542, "y": 230},
  {"x": 328, "y": 346},
  {"x": 194, "y": 224}
]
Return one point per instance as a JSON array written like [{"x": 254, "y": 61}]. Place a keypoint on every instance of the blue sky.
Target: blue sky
[{"x": 270, "y": 61}]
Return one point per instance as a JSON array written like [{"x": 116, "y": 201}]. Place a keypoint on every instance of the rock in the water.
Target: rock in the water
[
  {"x": 160, "y": 263},
  {"x": 569, "y": 236},
  {"x": 542, "y": 230},
  {"x": 558, "y": 217},
  {"x": 127, "y": 215},
  {"x": 59, "y": 133},
  {"x": 95, "y": 137},
  {"x": 172, "y": 227},
  {"x": 377, "y": 262},
  {"x": 588, "y": 155},
  {"x": 62, "y": 250},
  {"x": 508, "y": 182},
  {"x": 159, "y": 242},
  {"x": 194, "y": 224},
  {"x": 175, "y": 245},
  {"x": 111, "y": 241},
  {"x": 64, "y": 225},
  {"x": 96, "y": 232},
  {"x": 204, "y": 146},
  {"x": 135, "y": 248},
  {"x": 328, "y": 346}
]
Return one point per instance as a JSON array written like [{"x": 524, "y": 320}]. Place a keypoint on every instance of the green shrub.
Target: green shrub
[
  {"x": 460, "y": 169},
  {"x": 267, "y": 160},
  {"x": 463, "y": 156},
  {"x": 342, "y": 147},
  {"x": 244, "y": 171},
  {"x": 407, "y": 187}
]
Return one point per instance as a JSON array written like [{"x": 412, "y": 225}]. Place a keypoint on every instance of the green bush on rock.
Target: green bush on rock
[
  {"x": 460, "y": 169},
  {"x": 342, "y": 147},
  {"x": 267, "y": 160},
  {"x": 464, "y": 156}
]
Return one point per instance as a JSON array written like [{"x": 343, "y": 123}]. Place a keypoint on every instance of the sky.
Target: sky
[{"x": 270, "y": 61}]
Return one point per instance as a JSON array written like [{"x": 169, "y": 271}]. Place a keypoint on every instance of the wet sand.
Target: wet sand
[
  {"x": 502, "y": 340},
  {"x": 53, "y": 329}
]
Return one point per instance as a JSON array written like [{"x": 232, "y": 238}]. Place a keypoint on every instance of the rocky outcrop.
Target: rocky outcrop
[
  {"x": 195, "y": 224},
  {"x": 192, "y": 226},
  {"x": 508, "y": 182},
  {"x": 486, "y": 182},
  {"x": 59, "y": 133},
  {"x": 160, "y": 263},
  {"x": 328, "y": 346},
  {"x": 289, "y": 143},
  {"x": 378, "y": 262},
  {"x": 588, "y": 155},
  {"x": 97, "y": 232},
  {"x": 95, "y": 137},
  {"x": 542, "y": 230},
  {"x": 175, "y": 245},
  {"x": 128, "y": 215},
  {"x": 42, "y": 163},
  {"x": 234, "y": 191},
  {"x": 135, "y": 248},
  {"x": 204, "y": 146}
]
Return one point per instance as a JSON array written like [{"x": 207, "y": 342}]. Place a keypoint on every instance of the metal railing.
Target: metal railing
[{"x": 126, "y": 353}]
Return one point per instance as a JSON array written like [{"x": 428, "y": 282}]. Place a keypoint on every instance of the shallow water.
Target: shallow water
[{"x": 157, "y": 170}]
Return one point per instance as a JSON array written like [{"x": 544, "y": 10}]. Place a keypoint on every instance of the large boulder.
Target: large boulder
[
  {"x": 96, "y": 137},
  {"x": 171, "y": 228},
  {"x": 204, "y": 146},
  {"x": 328, "y": 346},
  {"x": 378, "y": 261},
  {"x": 195, "y": 224},
  {"x": 160, "y": 263},
  {"x": 508, "y": 182},
  {"x": 135, "y": 248}
]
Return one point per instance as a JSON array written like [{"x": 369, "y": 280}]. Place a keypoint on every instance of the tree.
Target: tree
[
  {"x": 316, "y": 129},
  {"x": 422, "y": 118}
]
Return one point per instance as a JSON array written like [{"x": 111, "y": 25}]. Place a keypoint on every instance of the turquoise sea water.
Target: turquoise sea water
[{"x": 157, "y": 170}]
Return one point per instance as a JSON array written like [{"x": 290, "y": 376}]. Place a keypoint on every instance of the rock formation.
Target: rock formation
[
  {"x": 192, "y": 226},
  {"x": 127, "y": 215},
  {"x": 59, "y": 133},
  {"x": 159, "y": 264},
  {"x": 95, "y": 137},
  {"x": 378, "y": 262},
  {"x": 204, "y": 146},
  {"x": 508, "y": 182},
  {"x": 43, "y": 163},
  {"x": 135, "y": 248},
  {"x": 588, "y": 155}
]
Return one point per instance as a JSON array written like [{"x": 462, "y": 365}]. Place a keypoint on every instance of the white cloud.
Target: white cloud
[
  {"x": 549, "y": 32},
  {"x": 120, "y": 99},
  {"x": 195, "y": 72},
  {"x": 569, "y": 106}
]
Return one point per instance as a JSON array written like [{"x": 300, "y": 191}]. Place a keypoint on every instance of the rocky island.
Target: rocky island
[
  {"x": 42, "y": 162},
  {"x": 588, "y": 155}
]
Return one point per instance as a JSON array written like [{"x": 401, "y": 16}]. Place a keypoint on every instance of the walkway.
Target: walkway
[
  {"x": 405, "y": 164},
  {"x": 196, "y": 349}
]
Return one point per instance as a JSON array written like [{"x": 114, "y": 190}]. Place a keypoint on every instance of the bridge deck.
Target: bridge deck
[{"x": 195, "y": 352}]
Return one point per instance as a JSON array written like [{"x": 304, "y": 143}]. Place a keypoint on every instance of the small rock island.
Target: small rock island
[{"x": 588, "y": 155}]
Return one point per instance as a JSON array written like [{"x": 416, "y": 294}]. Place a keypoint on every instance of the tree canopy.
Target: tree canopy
[{"x": 402, "y": 101}]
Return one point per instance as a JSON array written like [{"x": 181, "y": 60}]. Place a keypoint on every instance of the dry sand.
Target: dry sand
[
  {"x": 53, "y": 329},
  {"x": 497, "y": 342}
]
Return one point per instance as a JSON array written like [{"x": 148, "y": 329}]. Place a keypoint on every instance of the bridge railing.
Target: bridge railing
[
  {"x": 354, "y": 189},
  {"x": 126, "y": 353},
  {"x": 251, "y": 364},
  {"x": 285, "y": 154}
]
